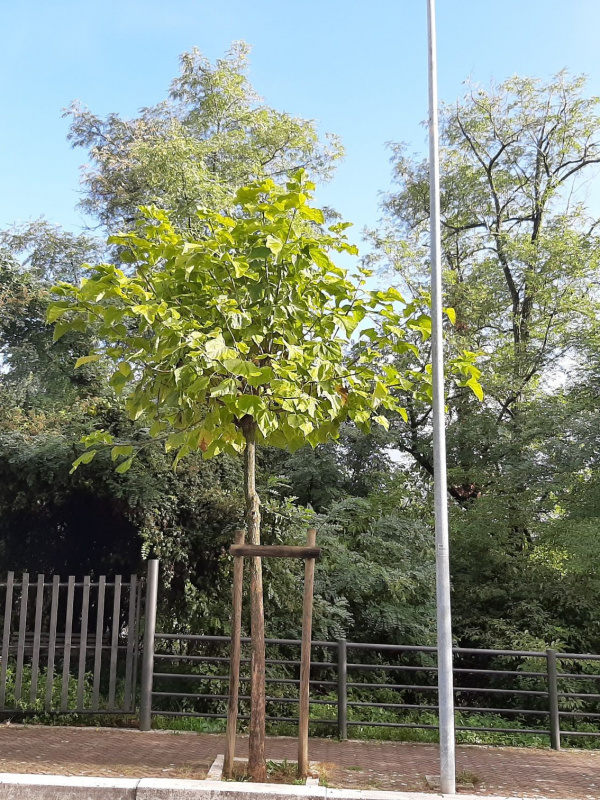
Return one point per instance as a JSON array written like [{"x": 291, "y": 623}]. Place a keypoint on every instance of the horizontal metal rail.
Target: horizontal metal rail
[
  {"x": 219, "y": 660},
  {"x": 579, "y": 714},
  {"x": 225, "y": 679},
  {"x": 195, "y": 637},
  {"x": 240, "y": 716},
  {"x": 577, "y": 657},
  {"x": 241, "y": 697}
]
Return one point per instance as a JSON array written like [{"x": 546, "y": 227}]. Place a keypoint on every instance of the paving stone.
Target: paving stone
[{"x": 359, "y": 765}]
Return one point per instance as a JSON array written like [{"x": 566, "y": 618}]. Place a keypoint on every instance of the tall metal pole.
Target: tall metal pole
[
  {"x": 148, "y": 652},
  {"x": 442, "y": 553}
]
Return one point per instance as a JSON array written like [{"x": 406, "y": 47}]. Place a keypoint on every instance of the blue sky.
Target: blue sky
[{"x": 358, "y": 68}]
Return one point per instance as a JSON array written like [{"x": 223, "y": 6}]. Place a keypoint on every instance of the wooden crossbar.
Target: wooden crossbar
[{"x": 274, "y": 551}]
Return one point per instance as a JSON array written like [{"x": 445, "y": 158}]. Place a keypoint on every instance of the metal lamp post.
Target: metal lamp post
[{"x": 444, "y": 620}]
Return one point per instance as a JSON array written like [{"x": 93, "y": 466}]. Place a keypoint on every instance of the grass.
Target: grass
[
  {"x": 365, "y": 732},
  {"x": 277, "y": 772},
  {"x": 468, "y": 778}
]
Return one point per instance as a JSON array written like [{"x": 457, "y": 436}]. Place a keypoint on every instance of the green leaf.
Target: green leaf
[
  {"x": 60, "y": 329},
  {"x": 56, "y": 310},
  {"x": 383, "y": 421},
  {"x": 86, "y": 360},
  {"x": 394, "y": 294},
  {"x": 247, "y": 194},
  {"x": 451, "y": 314},
  {"x": 199, "y": 385},
  {"x": 85, "y": 458},
  {"x": 313, "y": 214},
  {"x": 121, "y": 450},
  {"x": 248, "y": 404},
  {"x": 475, "y": 387},
  {"x": 238, "y": 366},
  {"x": 118, "y": 381},
  {"x": 275, "y": 245},
  {"x": 422, "y": 324},
  {"x": 380, "y": 391},
  {"x": 226, "y": 387},
  {"x": 215, "y": 347},
  {"x": 320, "y": 258},
  {"x": 123, "y": 467},
  {"x": 260, "y": 378}
]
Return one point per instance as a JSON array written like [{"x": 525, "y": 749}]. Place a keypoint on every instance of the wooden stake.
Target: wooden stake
[
  {"x": 309, "y": 580},
  {"x": 257, "y": 765},
  {"x": 234, "y": 666}
]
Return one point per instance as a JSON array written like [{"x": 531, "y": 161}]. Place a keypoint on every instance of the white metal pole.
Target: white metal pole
[
  {"x": 148, "y": 652},
  {"x": 444, "y": 619}
]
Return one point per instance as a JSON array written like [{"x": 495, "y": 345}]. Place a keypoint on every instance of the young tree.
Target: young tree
[{"x": 247, "y": 335}]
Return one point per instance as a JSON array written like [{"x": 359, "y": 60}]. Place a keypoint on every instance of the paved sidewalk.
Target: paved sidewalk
[{"x": 358, "y": 765}]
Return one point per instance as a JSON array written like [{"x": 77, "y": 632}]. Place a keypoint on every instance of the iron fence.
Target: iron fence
[
  {"x": 69, "y": 646},
  {"x": 365, "y": 685}
]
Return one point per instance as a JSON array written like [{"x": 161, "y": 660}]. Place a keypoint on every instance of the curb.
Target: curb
[{"x": 14, "y": 786}]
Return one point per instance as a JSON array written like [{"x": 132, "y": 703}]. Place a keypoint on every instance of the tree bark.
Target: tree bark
[{"x": 257, "y": 766}]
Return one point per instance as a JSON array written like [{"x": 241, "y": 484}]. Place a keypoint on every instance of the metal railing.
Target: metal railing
[
  {"x": 69, "y": 646},
  {"x": 393, "y": 686}
]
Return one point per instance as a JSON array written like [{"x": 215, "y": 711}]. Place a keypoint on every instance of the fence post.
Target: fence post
[
  {"x": 148, "y": 652},
  {"x": 342, "y": 693},
  {"x": 553, "y": 699}
]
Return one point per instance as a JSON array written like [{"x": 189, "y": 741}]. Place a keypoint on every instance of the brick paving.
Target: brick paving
[{"x": 401, "y": 766}]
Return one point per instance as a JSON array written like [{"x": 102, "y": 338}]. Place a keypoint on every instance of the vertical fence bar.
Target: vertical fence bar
[
  {"x": 83, "y": 633},
  {"x": 304, "y": 703},
  {"x": 98, "y": 642},
  {"x": 21, "y": 637},
  {"x": 234, "y": 660},
  {"x": 66, "y": 673},
  {"x": 114, "y": 643},
  {"x": 52, "y": 641},
  {"x": 553, "y": 699},
  {"x": 136, "y": 649},
  {"x": 148, "y": 652},
  {"x": 6, "y": 636},
  {"x": 37, "y": 636},
  {"x": 130, "y": 641},
  {"x": 342, "y": 691}
]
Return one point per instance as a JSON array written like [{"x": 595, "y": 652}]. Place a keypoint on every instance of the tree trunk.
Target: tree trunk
[{"x": 257, "y": 766}]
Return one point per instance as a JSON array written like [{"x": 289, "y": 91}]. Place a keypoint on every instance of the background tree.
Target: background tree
[
  {"x": 521, "y": 257},
  {"x": 212, "y": 135}
]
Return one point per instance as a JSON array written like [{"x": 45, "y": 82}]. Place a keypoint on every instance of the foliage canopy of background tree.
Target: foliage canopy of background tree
[{"x": 212, "y": 135}]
